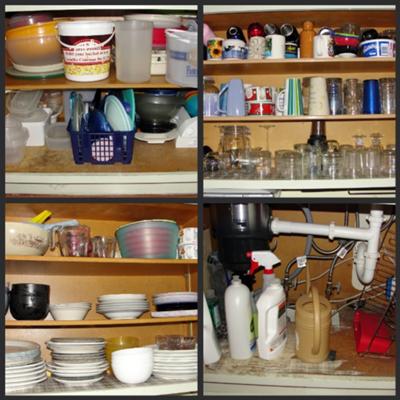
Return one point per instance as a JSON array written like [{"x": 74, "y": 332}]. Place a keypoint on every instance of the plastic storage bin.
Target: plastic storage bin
[
  {"x": 57, "y": 137},
  {"x": 101, "y": 147}
]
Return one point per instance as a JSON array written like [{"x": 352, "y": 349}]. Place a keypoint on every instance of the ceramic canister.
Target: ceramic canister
[{"x": 234, "y": 49}]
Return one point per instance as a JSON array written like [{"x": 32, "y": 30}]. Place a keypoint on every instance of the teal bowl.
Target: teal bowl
[
  {"x": 191, "y": 105},
  {"x": 148, "y": 239}
]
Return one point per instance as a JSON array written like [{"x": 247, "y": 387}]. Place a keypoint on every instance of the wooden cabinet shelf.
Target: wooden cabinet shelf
[
  {"x": 300, "y": 66},
  {"x": 61, "y": 83},
  {"x": 300, "y": 118},
  {"x": 98, "y": 323}
]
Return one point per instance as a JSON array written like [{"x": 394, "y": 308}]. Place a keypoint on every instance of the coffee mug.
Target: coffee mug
[
  {"x": 256, "y": 48},
  {"x": 280, "y": 102},
  {"x": 214, "y": 48},
  {"x": 318, "y": 101},
  {"x": 260, "y": 93},
  {"x": 260, "y": 108},
  {"x": 274, "y": 46},
  {"x": 291, "y": 50},
  {"x": 234, "y": 49},
  {"x": 323, "y": 46}
]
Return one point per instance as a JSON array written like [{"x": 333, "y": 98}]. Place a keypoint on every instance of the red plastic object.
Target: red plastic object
[{"x": 365, "y": 326}]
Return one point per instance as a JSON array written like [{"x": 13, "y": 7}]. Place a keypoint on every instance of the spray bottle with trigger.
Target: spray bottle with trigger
[{"x": 265, "y": 259}]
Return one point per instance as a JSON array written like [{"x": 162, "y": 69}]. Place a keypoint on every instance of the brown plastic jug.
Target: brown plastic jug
[{"x": 313, "y": 322}]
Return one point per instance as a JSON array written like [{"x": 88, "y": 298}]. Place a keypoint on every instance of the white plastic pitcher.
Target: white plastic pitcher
[
  {"x": 133, "y": 45},
  {"x": 181, "y": 57}
]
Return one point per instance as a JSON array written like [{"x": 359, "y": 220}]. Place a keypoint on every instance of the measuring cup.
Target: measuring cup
[{"x": 73, "y": 241}]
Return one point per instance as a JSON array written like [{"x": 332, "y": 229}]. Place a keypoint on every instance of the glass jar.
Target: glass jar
[
  {"x": 388, "y": 166},
  {"x": 210, "y": 102},
  {"x": 331, "y": 165},
  {"x": 360, "y": 156},
  {"x": 291, "y": 165}
]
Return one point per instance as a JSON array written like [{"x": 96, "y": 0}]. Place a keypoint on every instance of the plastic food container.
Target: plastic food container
[
  {"x": 28, "y": 19},
  {"x": 378, "y": 48},
  {"x": 16, "y": 137},
  {"x": 34, "y": 48},
  {"x": 181, "y": 57},
  {"x": 24, "y": 103},
  {"x": 36, "y": 124},
  {"x": 148, "y": 239},
  {"x": 133, "y": 50},
  {"x": 160, "y": 22},
  {"x": 57, "y": 137},
  {"x": 86, "y": 47}
]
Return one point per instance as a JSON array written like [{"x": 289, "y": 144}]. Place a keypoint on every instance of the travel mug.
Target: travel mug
[{"x": 371, "y": 99}]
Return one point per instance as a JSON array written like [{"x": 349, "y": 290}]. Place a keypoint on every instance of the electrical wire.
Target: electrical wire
[
  {"x": 354, "y": 301},
  {"x": 298, "y": 270}
]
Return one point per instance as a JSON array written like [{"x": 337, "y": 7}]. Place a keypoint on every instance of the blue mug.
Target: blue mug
[{"x": 371, "y": 97}]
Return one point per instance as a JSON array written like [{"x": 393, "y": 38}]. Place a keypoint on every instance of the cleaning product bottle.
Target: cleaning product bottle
[
  {"x": 239, "y": 320},
  {"x": 272, "y": 330},
  {"x": 213, "y": 306},
  {"x": 265, "y": 259},
  {"x": 212, "y": 351}
]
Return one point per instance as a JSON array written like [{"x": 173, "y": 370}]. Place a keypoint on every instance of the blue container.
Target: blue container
[
  {"x": 101, "y": 147},
  {"x": 371, "y": 98}
]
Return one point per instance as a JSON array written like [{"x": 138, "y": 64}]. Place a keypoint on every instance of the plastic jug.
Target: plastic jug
[
  {"x": 212, "y": 351},
  {"x": 313, "y": 322},
  {"x": 239, "y": 320},
  {"x": 272, "y": 330},
  {"x": 235, "y": 99}
]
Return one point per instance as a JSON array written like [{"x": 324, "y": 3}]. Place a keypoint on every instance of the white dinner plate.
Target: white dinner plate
[{"x": 84, "y": 382}]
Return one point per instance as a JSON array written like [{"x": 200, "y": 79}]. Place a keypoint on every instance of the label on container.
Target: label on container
[
  {"x": 87, "y": 58},
  {"x": 252, "y": 338}
]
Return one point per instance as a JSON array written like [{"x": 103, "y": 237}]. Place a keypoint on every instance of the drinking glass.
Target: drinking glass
[
  {"x": 264, "y": 167},
  {"x": 331, "y": 165},
  {"x": 291, "y": 165},
  {"x": 387, "y": 88},
  {"x": 360, "y": 156},
  {"x": 353, "y": 95},
  {"x": 103, "y": 247},
  {"x": 388, "y": 165},
  {"x": 334, "y": 87}
]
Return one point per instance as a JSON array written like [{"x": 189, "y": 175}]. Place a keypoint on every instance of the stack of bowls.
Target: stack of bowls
[
  {"x": 23, "y": 239},
  {"x": 148, "y": 239},
  {"x": 23, "y": 364},
  {"x": 70, "y": 311},
  {"x": 132, "y": 366},
  {"x": 175, "y": 364},
  {"x": 29, "y": 301},
  {"x": 77, "y": 361},
  {"x": 175, "y": 304},
  {"x": 16, "y": 138},
  {"x": 34, "y": 48},
  {"x": 122, "y": 306}
]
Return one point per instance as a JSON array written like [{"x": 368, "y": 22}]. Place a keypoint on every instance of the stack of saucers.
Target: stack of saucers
[
  {"x": 122, "y": 306},
  {"x": 24, "y": 365},
  {"x": 77, "y": 361},
  {"x": 175, "y": 304},
  {"x": 175, "y": 364}
]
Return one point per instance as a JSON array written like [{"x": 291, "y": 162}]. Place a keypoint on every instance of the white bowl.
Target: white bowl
[
  {"x": 132, "y": 367},
  {"x": 23, "y": 239},
  {"x": 69, "y": 314},
  {"x": 83, "y": 304}
]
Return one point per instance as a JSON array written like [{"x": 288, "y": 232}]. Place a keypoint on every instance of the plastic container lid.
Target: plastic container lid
[
  {"x": 85, "y": 28},
  {"x": 39, "y": 116},
  {"x": 57, "y": 137},
  {"x": 158, "y": 20},
  {"x": 32, "y": 31},
  {"x": 20, "y": 20},
  {"x": 24, "y": 103}
]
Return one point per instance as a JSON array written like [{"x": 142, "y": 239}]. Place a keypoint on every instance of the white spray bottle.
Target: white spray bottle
[{"x": 265, "y": 259}]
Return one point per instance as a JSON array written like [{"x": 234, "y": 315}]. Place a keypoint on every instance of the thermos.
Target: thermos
[
  {"x": 255, "y": 29},
  {"x": 306, "y": 40},
  {"x": 235, "y": 32},
  {"x": 271, "y": 29},
  {"x": 290, "y": 33}
]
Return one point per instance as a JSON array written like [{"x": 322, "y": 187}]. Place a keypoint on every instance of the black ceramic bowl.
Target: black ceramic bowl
[
  {"x": 7, "y": 300},
  {"x": 29, "y": 301}
]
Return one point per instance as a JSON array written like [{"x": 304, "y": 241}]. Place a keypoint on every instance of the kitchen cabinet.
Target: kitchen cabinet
[
  {"x": 282, "y": 132},
  {"x": 156, "y": 169},
  {"x": 350, "y": 373},
  {"x": 74, "y": 279}
]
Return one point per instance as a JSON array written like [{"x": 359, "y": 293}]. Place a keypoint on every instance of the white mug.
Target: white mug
[
  {"x": 256, "y": 47},
  {"x": 318, "y": 101},
  {"x": 274, "y": 46},
  {"x": 323, "y": 46}
]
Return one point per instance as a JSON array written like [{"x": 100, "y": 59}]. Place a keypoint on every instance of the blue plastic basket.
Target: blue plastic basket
[{"x": 101, "y": 148}]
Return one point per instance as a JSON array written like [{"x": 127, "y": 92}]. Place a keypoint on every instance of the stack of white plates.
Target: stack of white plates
[
  {"x": 175, "y": 364},
  {"x": 24, "y": 366},
  {"x": 77, "y": 361},
  {"x": 175, "y": 304},
  {"x": 122, "y": 306}
]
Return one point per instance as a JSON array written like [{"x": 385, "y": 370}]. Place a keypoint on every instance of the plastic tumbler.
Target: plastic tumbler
[{"x": 371, "y": 99}]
